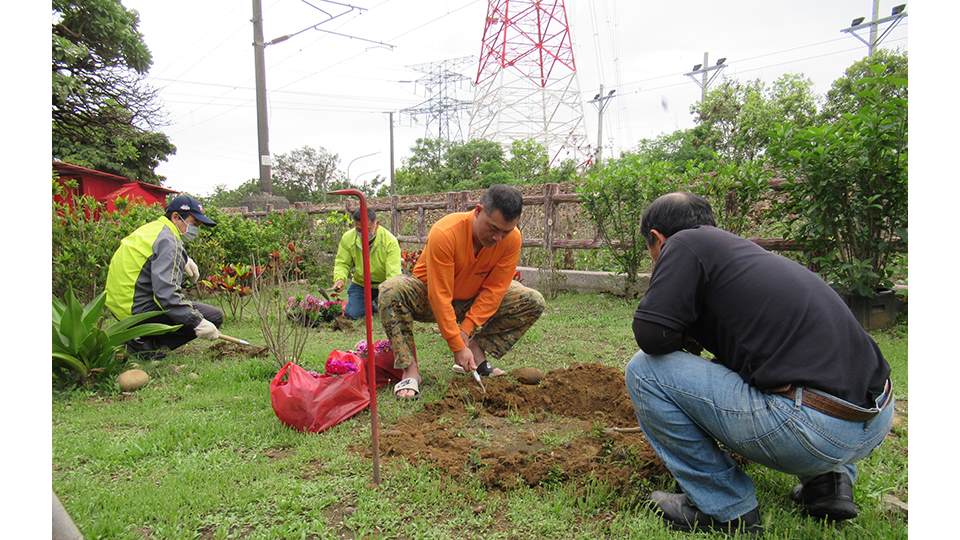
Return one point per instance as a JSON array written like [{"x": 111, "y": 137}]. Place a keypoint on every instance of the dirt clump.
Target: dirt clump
[
  {"x": 519, "y": 434},
  {"x": 226, "y": 349}
]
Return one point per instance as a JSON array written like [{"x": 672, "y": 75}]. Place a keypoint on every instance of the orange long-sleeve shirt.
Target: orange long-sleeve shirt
[{"x": 451, "y": 272}]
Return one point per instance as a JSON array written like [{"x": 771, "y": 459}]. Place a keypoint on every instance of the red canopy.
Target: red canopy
[{"x": 134, "y": 193}]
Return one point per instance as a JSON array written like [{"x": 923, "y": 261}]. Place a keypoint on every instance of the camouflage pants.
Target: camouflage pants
[{"x": 403, "y": 299}]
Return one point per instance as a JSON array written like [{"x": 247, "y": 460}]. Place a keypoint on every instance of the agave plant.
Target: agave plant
[{"x": 85, "y": 345}]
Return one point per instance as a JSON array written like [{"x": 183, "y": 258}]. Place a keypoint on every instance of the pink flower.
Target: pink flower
[{"x": 341, "y": 367}]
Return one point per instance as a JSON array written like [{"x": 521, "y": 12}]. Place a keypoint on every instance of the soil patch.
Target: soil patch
[
  {"x": 278, "y": 453},
  {"x": 521, "y": 434},
  {"x": 226, "y": 349}
]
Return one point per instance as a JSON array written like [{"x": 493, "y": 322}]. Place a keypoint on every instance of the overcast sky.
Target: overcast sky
[{"x": 331, "y": 91}]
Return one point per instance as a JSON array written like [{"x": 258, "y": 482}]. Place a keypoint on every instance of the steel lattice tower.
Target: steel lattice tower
[
  {"x": 441, "y": 108},
  {"x": 526, "y": 85}
]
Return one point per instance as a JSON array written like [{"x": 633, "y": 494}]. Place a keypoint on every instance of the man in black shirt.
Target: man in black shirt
[{"x": 796, "y": 384}]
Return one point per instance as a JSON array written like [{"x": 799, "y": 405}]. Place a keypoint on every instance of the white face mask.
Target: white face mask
[{"x": 192, "y": 231}]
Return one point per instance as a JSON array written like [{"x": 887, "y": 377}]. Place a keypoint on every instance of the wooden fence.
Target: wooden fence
[{"x": 458, "y": 201}]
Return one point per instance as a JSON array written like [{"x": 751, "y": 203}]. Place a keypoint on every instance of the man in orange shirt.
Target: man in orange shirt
[{"x": 463, "y": 281}]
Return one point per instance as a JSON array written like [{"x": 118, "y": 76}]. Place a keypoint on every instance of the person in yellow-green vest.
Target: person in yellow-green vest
[
  {"x": 147, "y": 273},
  {"x": 384, "y": 262}
]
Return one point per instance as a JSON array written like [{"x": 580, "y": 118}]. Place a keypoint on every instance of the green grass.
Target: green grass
[{"x": 199, "y": 454}]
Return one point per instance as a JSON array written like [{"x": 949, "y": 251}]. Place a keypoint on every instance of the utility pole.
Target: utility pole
[
  {"x": 897, "y": 14},
  {"x": 873, "y": 28},
  {"x": 264, "y": 158},
  {"x": 263, "y": 145},
  {"x": 600, "y": 102},
  {"x": 703, "y": 70},
  {"x": 393, "y": 187}
]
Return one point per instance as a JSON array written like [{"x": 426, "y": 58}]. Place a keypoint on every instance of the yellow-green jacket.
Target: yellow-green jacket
[
  {"x": 384, "y": 257},
  {"x": 146, "y": 274}
]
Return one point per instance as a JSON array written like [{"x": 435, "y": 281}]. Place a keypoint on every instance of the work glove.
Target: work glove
[
  {"x": 207, "y": 330},
  {"x": 191, "y": 270}
]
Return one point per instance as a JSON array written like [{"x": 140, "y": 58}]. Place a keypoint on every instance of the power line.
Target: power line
[
  {"x": 741, "y": 60},
  {"x": 344, "y": 60},
  {"x": 809, "y": 58}
]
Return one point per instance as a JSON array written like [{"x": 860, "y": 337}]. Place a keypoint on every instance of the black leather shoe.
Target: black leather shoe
[
  {"x": 682, "y": 515},
  {"x": 828, "y": 496}
]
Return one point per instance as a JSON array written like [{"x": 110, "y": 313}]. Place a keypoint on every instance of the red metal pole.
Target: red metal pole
[{"x": 368, "y": 311}]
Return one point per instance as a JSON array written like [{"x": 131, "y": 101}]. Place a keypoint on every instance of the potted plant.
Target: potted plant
[{"x": 846, "y": 191}]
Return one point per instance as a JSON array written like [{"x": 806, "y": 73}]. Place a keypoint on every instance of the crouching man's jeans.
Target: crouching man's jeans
[{"x": 685, "y": 404}]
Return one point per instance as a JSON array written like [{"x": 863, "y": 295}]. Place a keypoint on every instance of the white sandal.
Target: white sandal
[{"x": 407, "y": 384}]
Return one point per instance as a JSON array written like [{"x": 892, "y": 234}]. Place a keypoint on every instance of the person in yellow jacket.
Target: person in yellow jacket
[
  {"x": 147, "y": 272},
  {"x": 384, "y": 262}
]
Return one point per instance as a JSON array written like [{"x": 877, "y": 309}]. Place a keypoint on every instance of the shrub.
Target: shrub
[
  {"x": 85, "y": 236},
  {"x": 732, "y": 189},
  {"x": 232, "y": 287},
  {"x": 846, "y": 189},
  {"x": 615, "y": 195}
]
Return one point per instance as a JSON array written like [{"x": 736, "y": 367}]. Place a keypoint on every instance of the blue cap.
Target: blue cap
[{"x": 185, "y": 203}]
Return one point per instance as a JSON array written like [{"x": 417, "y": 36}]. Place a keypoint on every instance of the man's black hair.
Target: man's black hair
[
  {"x": 674, "y": 212},
  {"x": 507, "y": 199},
  {"x": 371, "y": 215}
]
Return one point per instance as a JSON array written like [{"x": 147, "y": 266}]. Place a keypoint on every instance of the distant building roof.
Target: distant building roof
[{"x": 65, "y": 168}]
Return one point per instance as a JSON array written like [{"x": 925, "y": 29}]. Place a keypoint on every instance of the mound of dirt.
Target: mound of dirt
[
  {"x": 226, "y": 349},
  {"x": 515, "y": 433}
]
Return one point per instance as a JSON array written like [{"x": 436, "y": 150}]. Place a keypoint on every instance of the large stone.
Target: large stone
[
  {"x": 132, "y": 379},
  {"x": 528, "y": 375}
]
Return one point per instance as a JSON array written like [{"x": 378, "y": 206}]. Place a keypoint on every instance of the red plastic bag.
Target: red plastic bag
[{"x": 314, "y": 403}]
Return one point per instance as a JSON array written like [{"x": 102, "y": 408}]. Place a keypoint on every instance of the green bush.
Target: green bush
[
  {"x": 846, "y": 194},
  {"x": 85, "y": 237},
  {"x": 83, "y": 245},
  {"x": 615, "y": 195}
]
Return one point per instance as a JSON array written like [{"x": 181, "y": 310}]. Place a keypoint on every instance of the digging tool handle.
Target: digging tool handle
[{"x": 232, "y": 339}]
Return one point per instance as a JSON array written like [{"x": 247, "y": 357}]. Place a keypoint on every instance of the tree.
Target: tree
[
  {"x": 305, "y": 174},
  {"x": 103, "y": 113},
  {"x": 225, "y": 198},
  {"x": 423, "y": 170},
  {"x": 736, "y": 119},
  {"x": 529, "y": 162},
  {"x": 473, "y": 165},
  {"x": 842, "y": 97}
]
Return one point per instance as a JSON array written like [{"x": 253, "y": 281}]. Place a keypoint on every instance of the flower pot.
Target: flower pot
[{"x": 877, "y": 311}]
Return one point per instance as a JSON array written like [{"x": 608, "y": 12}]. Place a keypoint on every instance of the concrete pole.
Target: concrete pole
[
  {"x": 600, "y": 126},
  {"x": 873, "y": 28},
  {"x": 703, "y": 85},
  {"x": 393, "y": 187},
  {"x": 263, "y": 146}
]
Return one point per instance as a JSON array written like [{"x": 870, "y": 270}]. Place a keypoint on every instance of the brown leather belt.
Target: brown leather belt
[{"x": 834, "y": 408}]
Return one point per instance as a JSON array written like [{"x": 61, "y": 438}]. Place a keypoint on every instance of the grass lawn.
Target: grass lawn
[{"x": 198, "y": 453}]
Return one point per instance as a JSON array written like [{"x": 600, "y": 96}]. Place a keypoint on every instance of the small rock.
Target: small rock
[
  {"x": 894, "y": 504},
  {"x": 528, "y": 375},
  {"x": 349, "y": 511},
  {"x": 478, "y": 509},
  {"x": 193, "y": 375},
  {"x": 132, "y": 379}
]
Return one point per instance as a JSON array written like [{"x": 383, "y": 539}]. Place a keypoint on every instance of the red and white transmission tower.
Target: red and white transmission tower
[{"x": 526, "y": 85}]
